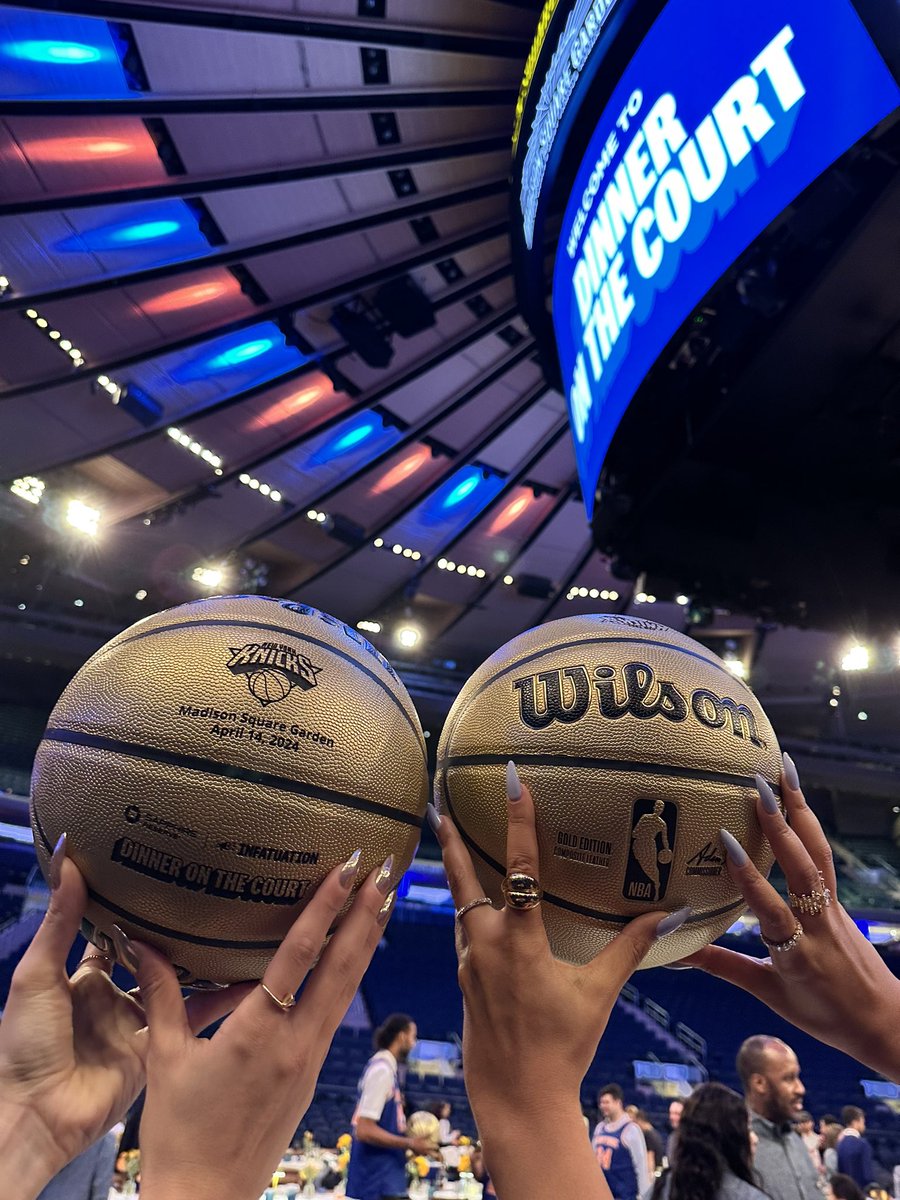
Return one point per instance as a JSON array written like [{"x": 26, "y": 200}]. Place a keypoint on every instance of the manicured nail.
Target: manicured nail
[
  {"x": 673, "y": 921},
  {"x": 769, "y": 803},
  {"x": 385, "y": 911},
  {"x": 383, "y": 878},
  {"x": 790, "y": 773},
  {"x": 350, "y": 868},
  {"x": 56, "y": 862},
  {"x": 125, "y": 950},
  {"x": 513, "y": 782},
  {"x": 734, "y": 849},
  {"x": 433, "y": 818}
]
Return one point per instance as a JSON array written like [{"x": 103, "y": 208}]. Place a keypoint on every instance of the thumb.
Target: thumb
[
  {"x": 162, "y": 1000},
  {"x": 44, "y": 962},
  {"x": 628, "y": 949}
]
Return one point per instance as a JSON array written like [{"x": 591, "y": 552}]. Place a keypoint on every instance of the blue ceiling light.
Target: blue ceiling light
[
  {"x": 144, "y": 231},
  {"x": 65, "y": 53},
  {"x": 138, "y": 233},
  {"x": 464, "y": 488},
  {"x": 353, "y": 437},
  {"x": 237, "y": 355}
]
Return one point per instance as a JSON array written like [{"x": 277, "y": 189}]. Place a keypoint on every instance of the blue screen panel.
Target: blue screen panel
[{"x": 724, "y": 115}]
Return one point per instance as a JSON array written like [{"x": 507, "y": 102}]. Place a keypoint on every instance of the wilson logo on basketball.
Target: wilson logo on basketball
[
  {"x": 566, "y": 695},
  {"x": 272, "y": 670}
]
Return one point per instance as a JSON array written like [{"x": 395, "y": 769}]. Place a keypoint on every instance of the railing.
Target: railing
[
  {"x": 630, "y": 993},
  {"x": 656, "y": 1011},
  {"x": 694, "y": 1042}
]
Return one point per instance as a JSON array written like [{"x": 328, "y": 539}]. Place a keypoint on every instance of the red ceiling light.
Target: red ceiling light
[
  {"x": 81, "y": 149},
  {"x": 287, "y": 407},
  {"x": 403, "y": 469},
  {"x": 511, "y": 512},
  {"x": 190, "y": 297}
]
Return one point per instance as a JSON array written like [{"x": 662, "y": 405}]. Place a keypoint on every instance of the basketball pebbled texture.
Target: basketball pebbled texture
[
  {"x": 212, "y": 763},
  {"x": 638, "y": 745}
]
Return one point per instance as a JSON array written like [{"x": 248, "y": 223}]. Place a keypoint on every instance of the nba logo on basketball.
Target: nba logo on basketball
[
  {"x": 652, "y": 841},
  {"x": 272, "y": 670}
]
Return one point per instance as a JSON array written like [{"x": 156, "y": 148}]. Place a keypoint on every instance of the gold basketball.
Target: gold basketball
[
  {"x": 424, "y": 1125},
  {"x": 213, "y": 762},
  {"x": 638, "y": 746}
]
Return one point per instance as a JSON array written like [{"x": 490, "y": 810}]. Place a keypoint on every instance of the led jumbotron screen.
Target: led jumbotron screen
[{"x": 724, "y": 115}]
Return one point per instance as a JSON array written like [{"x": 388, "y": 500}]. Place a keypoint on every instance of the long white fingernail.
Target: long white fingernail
[
  {"x": 386, "y": 909},
  {"x": 767, "y": 796},
  {"x": 513, "y": 782},
  {"x": 734, "y": 849},
  {"x": 673, "y": 921},
  {"x": 350, "y": 869},
  {"x": 125, "y": 951},
  {"x": 790, "y": 773},
  {"x": 56, "y": 862},
  {"x": 383, "y": 878},
  {"x": 433, "y": 817}
]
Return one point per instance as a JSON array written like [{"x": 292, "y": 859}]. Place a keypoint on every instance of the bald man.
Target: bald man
[{"x": 770, "y": 1074}]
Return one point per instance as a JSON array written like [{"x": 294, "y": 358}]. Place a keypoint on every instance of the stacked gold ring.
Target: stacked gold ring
[
  {"x": 521, "y": 891},
  {"x": 810, "y": 904}
]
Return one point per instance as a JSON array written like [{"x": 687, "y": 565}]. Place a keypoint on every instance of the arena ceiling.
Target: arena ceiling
[{"x": 258, "y": 332}]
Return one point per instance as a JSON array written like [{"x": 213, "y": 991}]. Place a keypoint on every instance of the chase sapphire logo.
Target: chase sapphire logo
[
  {"x": 653, "y": 826},
  {"x": 272, "y": 670}
]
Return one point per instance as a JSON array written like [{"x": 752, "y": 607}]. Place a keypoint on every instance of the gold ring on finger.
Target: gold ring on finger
[
  {"x": 788, "y": 944},
  {"x": 521, "y": 891},
  {"x": 285, "y": 1004},
  {"x": 810, "y": 904},
  {"x": 98, "y": 957},
  {"x": 461, "y": 912}
]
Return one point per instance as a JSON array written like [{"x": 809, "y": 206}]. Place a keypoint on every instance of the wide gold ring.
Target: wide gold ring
[
  {"x": 810, "y": 904},
  {"x": 521, "y": 891},
  {"x": 788, "y": 944},
  {"x": 286, "y": 1004},
  {"x": 461, "y": 912}
]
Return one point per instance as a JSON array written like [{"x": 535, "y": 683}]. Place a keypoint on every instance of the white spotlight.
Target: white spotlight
[
  {"x": 209, "y": 577},
  {"x": 856, "y": 659},
  {"x": 83, "y": 518},
  {"x": 408, "y": 636}
]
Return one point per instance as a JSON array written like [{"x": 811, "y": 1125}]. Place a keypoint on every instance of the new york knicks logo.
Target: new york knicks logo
[
  {"x": 272, "y": 670},
  {"x": 653, "y": 828}
]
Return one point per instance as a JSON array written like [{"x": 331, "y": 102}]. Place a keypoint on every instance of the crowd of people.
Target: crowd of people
[
  {"x": 725, "y": 1146},
  {"x": 218, "y": 1111}
]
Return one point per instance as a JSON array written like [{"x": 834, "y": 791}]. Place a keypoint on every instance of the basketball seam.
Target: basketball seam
[
  {"x": 569, "y": 905},
  {"x": 203, "y": 622},
  {"x": 209, "y": 766},
  {"x": 163, "y": 930},
  {"x": 606, "y": 764}
]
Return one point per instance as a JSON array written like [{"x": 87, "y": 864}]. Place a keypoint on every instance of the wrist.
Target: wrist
[
  {"x": 29, "y": 1161},
  {"x": 529, "y": 1116}
]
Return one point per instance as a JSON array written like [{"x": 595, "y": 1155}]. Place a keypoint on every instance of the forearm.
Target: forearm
[
  {"x": 373, "y": 1135},
  {"x": 27, "y": 1161},
  {"x": 515, "y": 1153}
]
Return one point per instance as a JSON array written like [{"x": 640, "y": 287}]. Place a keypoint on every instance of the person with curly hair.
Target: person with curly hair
[{"x": 714, "y": 1161}]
